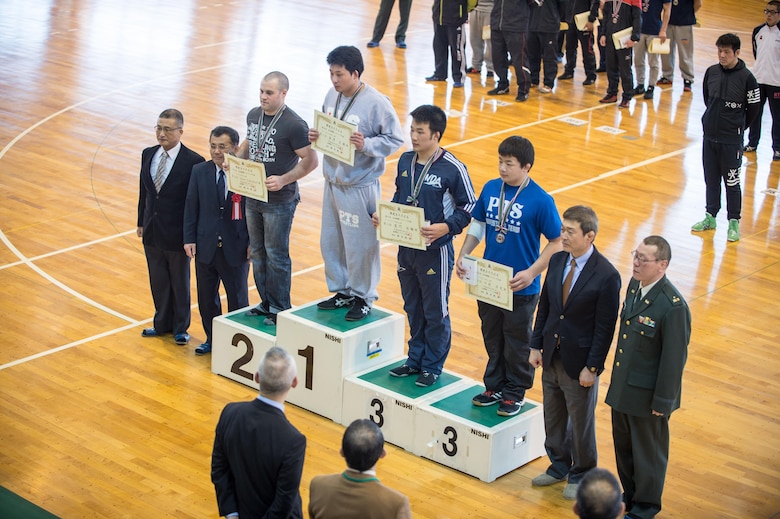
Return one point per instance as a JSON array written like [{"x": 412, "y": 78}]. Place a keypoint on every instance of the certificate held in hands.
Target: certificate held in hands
[
  {"x": 656, "y": 47},
  {"x": 581, "y": 19},
  {"x": 247, "y": 178},
  {"x": 334, "y": 137},
  {"x": 400, "y": 224},
  {"x": 621, "y": 37},
  {"x": 488, "y": 281}
]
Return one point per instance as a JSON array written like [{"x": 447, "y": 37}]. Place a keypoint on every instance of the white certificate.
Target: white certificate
[
  {"x": 582, "y": 18},
  {"x": 247, "y": 177},
  {"x": 334, "y": 137},
  {"x": 656, "y": 47},
  {"x": 620, "y": 38},
  {"x": 488, "y": 282},
  {"x": 400, "y": 224}
]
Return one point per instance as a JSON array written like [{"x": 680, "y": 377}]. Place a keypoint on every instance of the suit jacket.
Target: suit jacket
[
  {"x": 205, "y": 223},
  {"x": 257, "y": 461},
  {"x": 351, "y": 495},
  {"x": 162, "y": 214},
  {"x": 651, "y": 352},
  {"x": 585, "y": 326}
]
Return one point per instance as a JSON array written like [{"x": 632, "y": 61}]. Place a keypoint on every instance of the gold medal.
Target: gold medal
[{"x": 500, "y": 237}]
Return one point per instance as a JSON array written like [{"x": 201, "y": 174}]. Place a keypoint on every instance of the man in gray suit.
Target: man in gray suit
[
  {"x": 652, "y": 347},
  {"x": 215, "y": 234},
  {"x": 575, "y": 322}
]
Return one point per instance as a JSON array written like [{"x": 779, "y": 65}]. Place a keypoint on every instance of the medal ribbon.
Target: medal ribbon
[
  {"x": 262, "y": 134},
  {"x": 502, "y": 215},
  {"x": 349, "y": 105},
  {"x": 417, "y": 186},
  {"x": 616, "y": 10}
]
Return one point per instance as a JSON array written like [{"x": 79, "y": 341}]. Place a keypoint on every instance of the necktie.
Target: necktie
[
  {"x": 637, "y": 297},
  {"x": 221, "y": 188},
  {"x": 568, "y": 280},
  {"x": 159, "y": 175}
]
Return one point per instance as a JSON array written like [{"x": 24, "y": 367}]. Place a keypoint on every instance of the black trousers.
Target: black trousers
[
  {"x": 584, "y": 40},
  {"x": 383, "y": 16},
  {"x": 542, "y": 49},
  {"x": 772, "y": 95},
  {"x": 448, "y": 42},
  {"x": 722, "y": 163},
  {"x": 619, "y": 70},
  {"x": 509, "y": 43}
]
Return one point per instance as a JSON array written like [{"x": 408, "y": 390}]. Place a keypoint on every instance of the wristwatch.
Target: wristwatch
[{"x": 593, "y": 369}]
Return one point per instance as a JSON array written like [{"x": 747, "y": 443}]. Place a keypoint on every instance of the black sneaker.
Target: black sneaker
[
  {"x": 639, "y": 90},
  {"x": 499, "y": 90},
  {"x": 509, "y": 407},
  {"x": 359, "y": 310},
  {"x": 426, "y": 379},
  {"x": 521, "y": 97},
  {"x": 649, "y": 92},
  {"x": 260, "y": 310},
  {"x": 687, "y": 85},
  {"x": 270, "y": 320},
  {"x": 338, "y": 301},
  {"x": 487, "y": 398},
  {"x": 403, "y": 371}
]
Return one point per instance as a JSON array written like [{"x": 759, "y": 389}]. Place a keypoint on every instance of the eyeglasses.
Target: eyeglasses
[
  {"x": 165, "y": 129},
  {"x": 767, "y": 11},
  {"x": 642, "y": 259}
]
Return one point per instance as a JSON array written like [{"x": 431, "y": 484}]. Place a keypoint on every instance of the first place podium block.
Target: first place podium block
[
  {"x": 392, "y": 402},
  {"x": 475, "y": 440},
  {"x": 239, "y": 341},
  {"x": 327, "y": 348}
]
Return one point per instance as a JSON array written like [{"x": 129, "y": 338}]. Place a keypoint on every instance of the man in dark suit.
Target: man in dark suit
[
  {"x": 356, "y": 493},
  {"x": 652, "y": 347},
  {"x": 575, "y": 322},
  {"x": 258, "y": 455},
  {"x": 215, "y": 234},
  {"x": 165, "y": 177}
]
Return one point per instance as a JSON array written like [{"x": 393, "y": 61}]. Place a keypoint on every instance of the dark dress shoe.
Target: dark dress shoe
[
  {"x": 589, "y": 81},
  {"x": 400, "y": 44},
  {"x": 149, "y": 332},
  {"x": 601, "y": 69},
  {"x": 181, "y": 338},
  {"x": 372, "y": 44},
  {"x": 203, "y": 349},
  {"x": 609, "y": 98},
  {"x": 566, "y": 75},
  {"x": 435, "y": 78}
]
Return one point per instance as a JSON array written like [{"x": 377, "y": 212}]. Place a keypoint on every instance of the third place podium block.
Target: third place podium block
[
  {"x": 475, "y": 440},
  {"x": 392, "y": 402},
  {"x": 328, "y": 348}
]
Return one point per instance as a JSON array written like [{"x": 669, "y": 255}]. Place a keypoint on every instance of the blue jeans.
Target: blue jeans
[{"x": 269, "y": 238}]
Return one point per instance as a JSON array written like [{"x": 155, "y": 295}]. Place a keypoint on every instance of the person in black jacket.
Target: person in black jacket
[
  {"x": 619, "y": 16},
  {"x": 545, "y": 24},
  {"x": 731, "y": 95},
  {"x": 584, "y": 38},
  {"x": 508, "y": 34},
  {"x": 448, "y": 19}
]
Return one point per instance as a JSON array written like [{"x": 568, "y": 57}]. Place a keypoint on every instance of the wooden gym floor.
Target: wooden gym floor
[{"x": 97, "y": 422}]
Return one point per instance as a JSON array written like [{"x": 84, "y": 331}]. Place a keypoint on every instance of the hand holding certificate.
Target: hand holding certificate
[
  {"x": 658, "y": 47},
  {"x": 400, "y": 224},
  {"x": 488, "y": 281},
  {"x": 247, "y": 178},
  {"x": 621, "y": 38},
  {"x": 334, "y": 137}
]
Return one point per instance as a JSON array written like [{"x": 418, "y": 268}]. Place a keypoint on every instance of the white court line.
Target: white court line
[{"x": 29, "y": 261}]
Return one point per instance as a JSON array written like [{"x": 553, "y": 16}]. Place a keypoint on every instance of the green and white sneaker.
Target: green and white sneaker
[
  {"x": 706, "y": 224},
  {"x": 733, "y": 234}
]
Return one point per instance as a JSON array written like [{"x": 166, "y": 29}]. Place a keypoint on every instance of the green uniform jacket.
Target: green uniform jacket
[{"x": 651, "y": 351}]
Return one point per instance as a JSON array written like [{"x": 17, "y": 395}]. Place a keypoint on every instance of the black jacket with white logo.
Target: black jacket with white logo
[{"x": 732, "y": 100}]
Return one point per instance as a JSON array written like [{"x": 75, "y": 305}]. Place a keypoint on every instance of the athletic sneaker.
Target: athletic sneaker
[
  {"x": 664, "y": 81},
  {"x": 499, "y": 90},
  {"x": 487, "y": 398},
  {"x": 426, "y": 379},
  {"x": 708, "y": 223},
  {"x": 338, "y": 301},
  {"x": 360, "y": 310},
  {"x": 687, "y": 85},
  {"x": 403, "y": 371},
  {"x": 509, "y": 407}
]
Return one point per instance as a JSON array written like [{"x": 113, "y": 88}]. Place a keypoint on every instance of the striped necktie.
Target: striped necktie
[{"x": 159, "y": 175}]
